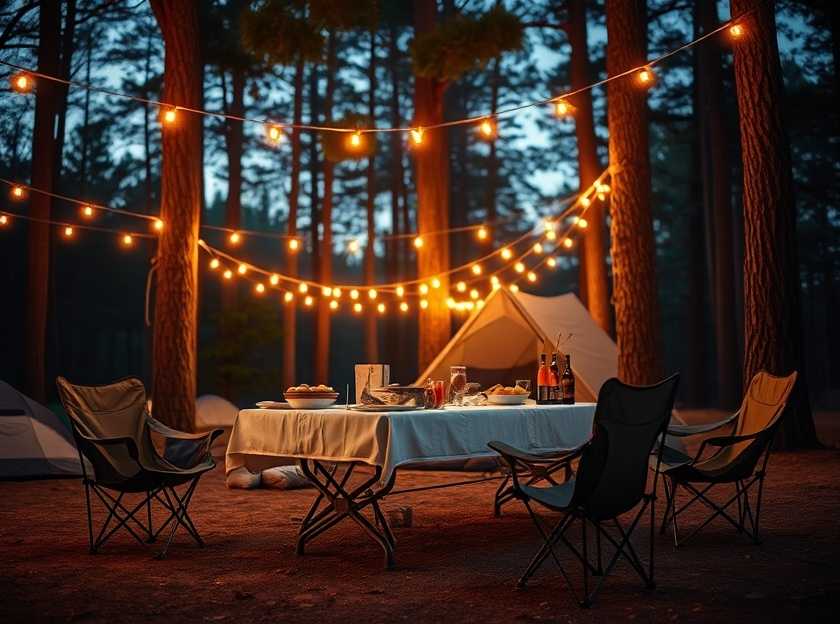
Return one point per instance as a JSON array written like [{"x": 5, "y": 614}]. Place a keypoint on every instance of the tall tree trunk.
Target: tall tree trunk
[
  {"x": 771, "y": 267},
  {"x": 432, "y": 182},
  {"x": 717, "y": 191},
  {"x": 371, "y": 335},
  {"x": 68, "y": 45},
  {"x": 176, "y": 302},
  {"x": 322, "y": 327},
  {"x": 85, "y": 131},
  {"x": 290, "y": 311},
  {"x": 38, "y": 232},
  {"x": 234, "y": 141},
  {"x": 594, "y": 278},
  {"x": 314, "y": 170},
  {"x": 633, "y": 253},
  {"x": 147, "y": 127},
  {"x": 492, "y": 158}
]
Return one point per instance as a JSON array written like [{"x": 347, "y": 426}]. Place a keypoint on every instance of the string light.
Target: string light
[
  {"x": 435, "y": 282},
  {"x": 274, "y": 133},
  {"x": 242, "y": 269},
  {"x": 157, "y": 224},
  {"x": 474, "y": 294},
  {"x": 514, "y": 288},
  {"x": 400, "y": 291},
  {"x": 214, "y": 264},
  {"x": 333, "y": 305},
  {"x": 450, "y": 303},
  {"x": 562, "y": 108},
  {"x": 354, "y": 294},
  {"x": 372, "y": 293},
  {"x": 476, "y": 269},
  {"x": 423, "y": 289},
  {"x": 336, "y": 293},
  {"x": 461, "y": 286},
  {"x": 532, "y": 277},
  {"x": 495, "y": 282},
  {"x": 127, "y": 240},
  {"x": 288, "y": 297},
  {"x": 355, "y": 140},
  {"x": 294, "y": 244},
  {"x": 736, "y": 31},
  {"x": 302, "y": 288},
  {"x": 538, "y": 248},
  {"x": 228, "y": 274},
  {"x": 4, "y": 220},
  {"x": 506, "y": 253},
  {"x": 585, "y": 202},
  {"x": 259, "y": 288},
  {"x": 22, "y": 82},
  {"x": 519, "y": 267},
  {"x": 274, "y": 279},
  {"x": 582, "y": 223},
  {"x": 326, "y": 291},
  {"x": 234, "y": 238},
  {"x": 381, "y": 308},
  {"x": 424, "y": 304},
  {"x": 68, "y": 231},
  {"x": 170, "y": 116},
  {"x": 603, "y": 188},
  {"x": 645, "y": 77},
  {"x": 418, "y": 242},
  {"x": 487, "y": 129},
  {"x": 353, "y": 246},
  {"x": 479, "y": 304},
  {"x": 87, "y": 211},
  {"x": 403, "y": 307},
  {"x": 308, "y": 300},
  {"x": 567, "y": 243},
  {"x": 18, "y": 192},
  {"x": 552, "y": 262},
  {"x": 357, "y": 308},
  {"x": 551, "y": 235},
  {"x": 482, "y": 233},
  {"x": 417, "y": 135}
]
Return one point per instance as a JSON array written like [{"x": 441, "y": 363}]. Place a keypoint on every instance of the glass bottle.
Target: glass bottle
[{"x": 567, "y": 383}]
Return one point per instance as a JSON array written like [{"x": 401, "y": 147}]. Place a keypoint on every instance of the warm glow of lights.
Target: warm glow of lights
[
  {"x": 435, "y": 282},
  {"x": 461, "y": 286},
  {"x": 519, "y": 267},
  {"x": 487, "y": 129},
  {"x": 214, "y": 264},
  {"x": 294, "y": 244},
  {"x": 552, "y": 262},
  {"x": 567, "y": 243},
  {"x": 474, "y": 294},
  {"x": 372, "y": 293},
  {"x": 482, "y": 233},
  {"x": 354, "y": 294},
  {"x": 479, "y": 304},
  {"x": 4, "y": 220},
  {"x": 495, "y": 282},
  {"x": 400, "y": 291},
  {"x": 274, "y": 279},
  {"x": 514, "y": 288},
  {"x": 538, "y": 248},
  {"x": 158, "y": 225},
  {"x": 228, "y": 274},
  {"x": 288, "y": 297},
  {"x": 242, "y": 269},
  {"x": 234, "y": 238},
  {"x": 602, "y": 197},
  {"x": 603, "y": 188},
  {"x": 337, "y": 293},
  {"x": 736, "y": 31},
  {"x": 87, "y": 211},
  {"x": 170, "y": 116},
  {"x": 423, "y": 289},
  {"x": 127, "y": 240},
  {"x": 507, "y": 254},
  {"x": 417, "y": 136},
  {"x": 450, "y": 303},
  {"x": 585, "y": 201},
  {"x": 274, "y": 133},
  {"x": 424, "y": 304},
  {"x": 353, "y": 246},
  {"x": 418, "y": 242},
  {"x": 18, "y": 192},
  {"x": 308, "y": 300},
  {"x": 22, "y": 82},
  {"x": 355, "y": 140},
  {"x": 562, "y": 108},
  {"x": 357, "y": 307},
  {"x": 532, "y": 277},
  {"x": 403, "y": 307},
  {"x": 259, "y": 288},
  {"x": 302, "y": 287},
  {"x": 582, "y": 223},
  {"x": 476, "y": 269},
  {"x": 326, "y": 291},
  {"x": 646, "y": 77},
  {"x": 68, "y": 231},
  {"x": 333, "y": 305}
]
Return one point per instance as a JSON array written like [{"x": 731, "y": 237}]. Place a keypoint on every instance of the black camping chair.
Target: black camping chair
[
  {"x": 740, "y": 459},
  {"x": 611, "y": 480},
  {"x": 113, "y": 432}
]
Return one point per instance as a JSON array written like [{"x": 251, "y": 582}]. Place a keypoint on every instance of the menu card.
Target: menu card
[{"x": 378, "y": 375}]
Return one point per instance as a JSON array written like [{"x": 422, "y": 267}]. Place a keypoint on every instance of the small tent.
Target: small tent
[
  {"x": 500, "y": 342},
  {"x": 34, "y": 442},
  {"x": 213, "y": 411}
]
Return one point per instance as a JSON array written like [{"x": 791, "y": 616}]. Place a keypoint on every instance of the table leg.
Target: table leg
[{"x": 342, "y": 503}]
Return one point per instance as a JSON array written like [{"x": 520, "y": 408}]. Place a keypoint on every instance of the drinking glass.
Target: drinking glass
[
  {"x": 457, "y": 383},
  {"x": 440, "y": 393},
  {"x": 525, "y": 384}
]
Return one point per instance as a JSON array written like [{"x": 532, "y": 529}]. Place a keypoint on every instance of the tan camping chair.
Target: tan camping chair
[
  {"x": 113, "y": 431},
  {"x": 741, "y": 458}
]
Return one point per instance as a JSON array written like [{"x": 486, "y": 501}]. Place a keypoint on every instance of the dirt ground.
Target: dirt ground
[{"x": 456, "y": 563}]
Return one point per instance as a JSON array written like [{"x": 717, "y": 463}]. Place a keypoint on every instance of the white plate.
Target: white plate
[
  {"x": 507, "y": 399},
  {"x": 386, "y": 408},
  {"x": 298, "y": 403},
  {"x": 273, "y": 405}
]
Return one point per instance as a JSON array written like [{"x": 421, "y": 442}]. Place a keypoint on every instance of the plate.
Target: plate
[
  {"x": 386, "y": 408},
  {"x": 507, "y": 399},
  {"x": 310, "y": 402},
  {"x": 273, "y": 405}
]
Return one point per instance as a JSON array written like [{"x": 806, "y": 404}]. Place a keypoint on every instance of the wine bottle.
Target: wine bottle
[
  {"x": 543, "y": 387},
  {"x": 555, "y": 394},
  {"x": 567, "y": 383}
]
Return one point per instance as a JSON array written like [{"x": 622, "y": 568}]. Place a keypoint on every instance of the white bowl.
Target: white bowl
[
  {"x": 310, "y": 403},
  {"x": 507, "y": 399}
]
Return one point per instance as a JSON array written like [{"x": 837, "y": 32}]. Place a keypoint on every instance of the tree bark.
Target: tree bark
[
  {"x": 432, "y": 182},
  {"x": 176, "y": 302},
  {"x": 771, "y": 266},
  {"x": 38, "y": 233},
  {"x": 633, "y": 253},
  {"x": 68, "y": 46},
  {"x": 371, "y": 321},
  {"x": 594, "y": 278},
  {"x": 322, "y": 327},
  {"x": 234, "y": 141},
  {"x": 492, "y": 158},
  {"x": 290, "y": 311},
  {"x": 717, "y": 191},
  {"x": 314, "y": 170}
]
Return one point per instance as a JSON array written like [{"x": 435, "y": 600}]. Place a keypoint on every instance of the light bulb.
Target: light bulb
[
  {"x": 519, "y": 267},
  {"x": 242, "y": 269},
  {"x": 354, "y": 294},
  {"x": 450, "y": 303},
  {"x": 333, "y": 305},
  {"x": 562, "y": 108},
  {"x": 567, "y": 243},
  {"x": 418, "y": 242},
  {"x": 603, "y": 188},
  {"x": 551, "y": 235},
  {"x": 495, "y": 282},
  {"x": 127, "y": 240},
  {"x": 403, "y": 307},
  {"x": 158, "y": 225},
  {"x": 487, "y": 129},
  {"x": 417, "y": 136},
  {"x": 479, "y": 304},
  {"x": 538, "y": 248},
  {"x": 87, "y": 211},
  {"x": 506, "y": 253},
  {"x": 532, "y": 277},
  {"x": 461, "y": 286},
  {"x": 170, "y": 116},
  {"x": 353, "y": 246},
  {"x": 294, "y": 244},
  {"x": 424, "y": 304},
  {"x": 552, "y": 262},
  {"x": 288, "y": 297},
  {"x": 736, "y": 31},
  {"x": 355, "y": 140},
  {"x": 482, "y": 233},
  {"x": 582, "y": 223},
  {"x": 357, "y": 308},
  {"x": 228, "y": 274},
  {"x": 260, "y": 288},
  {"x": 308, "y": 300},
  {"x": 326, "y": 291},
  {"x": 585, "y": 201},
  {"x": 372, "y": 293},
  {"x": 514, "y": 288},
  {"x": 274, "y": 133},
  {"x": 302, "y": 287},
  {"x": 68, "y": 231},
  {"x": 435, "y": 282},
  {"x": 234, "y": 238},
  {"x": 337, "y": 293},
  {"x": 473, "y": 294},
  {"x": 423, "y": 289},
  {"x": 274, "y": 279},
  {"x": 400, "y": 291},
  {"x": 214, "y": 264},
  {"x": 645, "y": 77},
  {"x": 476, "y": 269},
  {"x": 4, "y": 220},
  {"x": 22, "y": 82},
  {"x": 18, "y": 192}
]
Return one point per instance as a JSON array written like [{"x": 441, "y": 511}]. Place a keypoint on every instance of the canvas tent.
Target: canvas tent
[
  {"x": 500, "y": 342},
  {"x": 34, "y": 442},
  {"x": 213, "y": 411}
]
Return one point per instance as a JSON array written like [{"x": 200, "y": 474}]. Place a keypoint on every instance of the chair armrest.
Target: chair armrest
[
  {"x": 681, "y": 431},
  {"x": 722, "y": 441},
  {"x": 551, "y": 457},
  {"x": 182, "y": 449},
  {"x": 169, "y": 432}
]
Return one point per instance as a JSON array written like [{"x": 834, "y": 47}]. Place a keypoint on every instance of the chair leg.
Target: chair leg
[
  {"x": 668, "y": 502},
  {"x": 650, "y": 582},
  {"x": 151, "y": 538},
  {"x": 674, "y": 487},
  {"x": 180, "y": 516},
  {"x": 91, "y": 549},
  {"x": 600, "y": 569},
  {"x": 586, "y": 602}
]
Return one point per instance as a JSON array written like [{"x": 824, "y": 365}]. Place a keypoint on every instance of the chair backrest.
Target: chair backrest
[
  {"x": 762, "y": 407},
  {"x": 110, "y": 411},
  {"x": 629, "y": 421}
]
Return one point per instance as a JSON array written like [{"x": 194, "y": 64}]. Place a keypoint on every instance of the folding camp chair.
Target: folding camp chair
[
  {"x": 611, "y": 480},
  {"x": 113, "y": 432},
  {"x": 741, "y": 459}
]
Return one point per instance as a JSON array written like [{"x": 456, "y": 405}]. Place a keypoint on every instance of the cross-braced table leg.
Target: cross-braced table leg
[{"x": 336, "y": 501}]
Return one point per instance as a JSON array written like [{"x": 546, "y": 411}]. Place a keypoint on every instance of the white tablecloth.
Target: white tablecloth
[{"x": 264, "y": 438}]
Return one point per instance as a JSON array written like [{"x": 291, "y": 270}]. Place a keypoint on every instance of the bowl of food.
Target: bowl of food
[
  {"x": 305, "y": 396},
  {"x": 506, "y": 395}
]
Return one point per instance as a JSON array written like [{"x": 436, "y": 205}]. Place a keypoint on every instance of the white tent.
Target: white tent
[
  {"x": 214, "y": 411},
  {"x": 34, "y": 442},
  {"x": 500, "y": 342}
]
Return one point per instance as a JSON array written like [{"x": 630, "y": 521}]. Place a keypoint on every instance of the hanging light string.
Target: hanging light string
[
  {"x": 170, "y": 110},
  {"x": 73, "y": 226}
]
